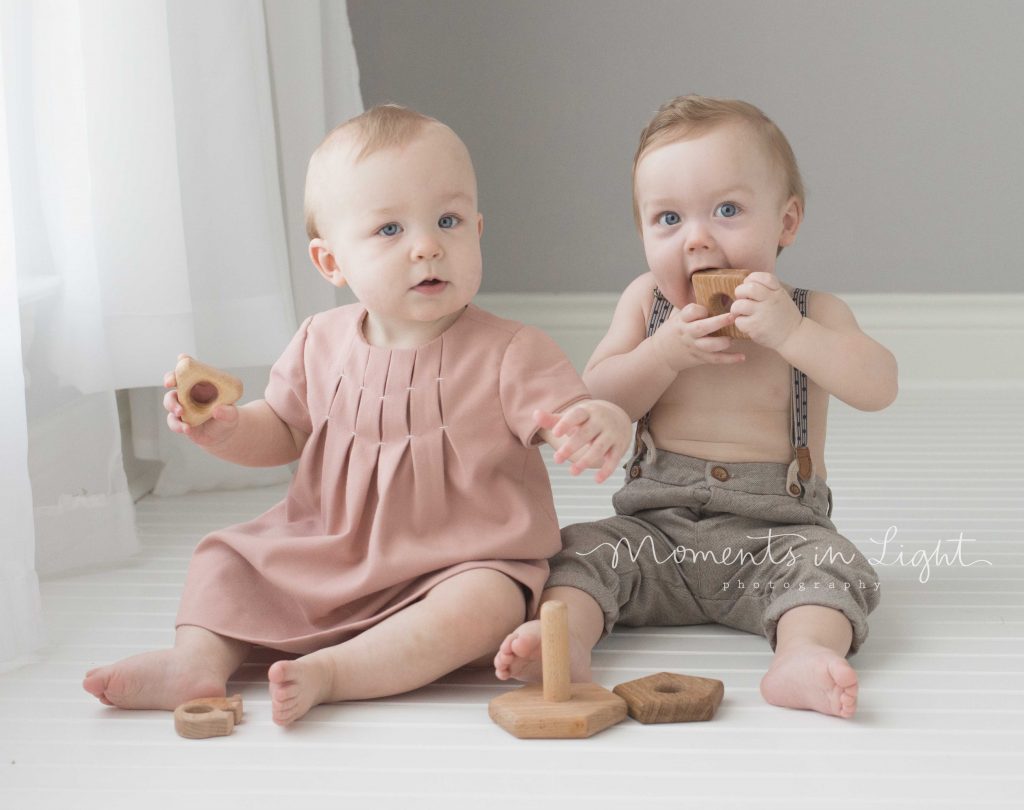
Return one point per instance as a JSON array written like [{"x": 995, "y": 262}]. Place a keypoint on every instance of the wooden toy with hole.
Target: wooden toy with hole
[
  {"x": 716, "y": 291},
  {"x": 668, "y": 697},
  {"x": 201, "y": 388},
  {"x": 556, "y": 709},
  {"x": 208, "y": 717}
]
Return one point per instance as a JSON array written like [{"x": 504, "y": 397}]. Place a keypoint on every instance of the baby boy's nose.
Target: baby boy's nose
[{"x": 698, "y": 239}]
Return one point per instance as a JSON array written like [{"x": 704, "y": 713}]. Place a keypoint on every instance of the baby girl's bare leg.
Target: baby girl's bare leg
[
  {"x": 810, "y": 670},
  {"x": 520, "y": 652},
  {"x": 198, "y": 665},
  {"x": 459, "y": 620}
]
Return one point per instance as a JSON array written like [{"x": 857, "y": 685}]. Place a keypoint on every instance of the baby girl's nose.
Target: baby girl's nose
[{"x": 426, "y": 249}]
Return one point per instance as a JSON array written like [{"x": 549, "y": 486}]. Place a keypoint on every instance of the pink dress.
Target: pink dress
[{"x": 420, "y": 463}]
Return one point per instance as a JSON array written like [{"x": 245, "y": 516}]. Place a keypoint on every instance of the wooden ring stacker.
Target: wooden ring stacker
[
  {"x": 716, "y": 292},
  {"x": 556, "y": 709},
  {"x": 668, "y": 697},
  {"x": 208, "y": 717},
  {"x": 188, "y": 374}
]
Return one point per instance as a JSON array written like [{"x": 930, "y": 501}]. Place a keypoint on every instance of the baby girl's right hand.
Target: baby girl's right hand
[
  {"x": 682, "y": 340},
  {"x": 213, "y": 431}
]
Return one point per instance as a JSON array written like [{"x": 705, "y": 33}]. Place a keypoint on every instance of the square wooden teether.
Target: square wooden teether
[
  {"x": 671, "y": 698},
  {"x": 190, "y": 373},
  {"x": 716, "y": 291},
  {"x": 208, "y": 717}
]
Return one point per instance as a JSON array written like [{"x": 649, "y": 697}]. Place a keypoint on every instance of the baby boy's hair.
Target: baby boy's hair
[
  {"x": 691, "y": 116},
  {"x": 381, "y": 127}
]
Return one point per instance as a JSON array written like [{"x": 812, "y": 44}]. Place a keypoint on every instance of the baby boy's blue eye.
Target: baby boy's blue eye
[
  {"x": 668, "y": 218},
  {"x": 391, "y": 229},
  {"x": 728, "y": 210},
  {"x": 448, "y": 221}
]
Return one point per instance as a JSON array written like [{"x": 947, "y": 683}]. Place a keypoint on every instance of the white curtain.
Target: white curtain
[
  {"x": 21, "y": 626},
  {"x": 147, "y": 202}
]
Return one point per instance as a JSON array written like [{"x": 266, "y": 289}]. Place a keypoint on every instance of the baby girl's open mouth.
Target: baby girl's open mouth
[{"x": 431, "y": 286}]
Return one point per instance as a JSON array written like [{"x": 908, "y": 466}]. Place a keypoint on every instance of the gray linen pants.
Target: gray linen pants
[{"x": 699, "y": 542}]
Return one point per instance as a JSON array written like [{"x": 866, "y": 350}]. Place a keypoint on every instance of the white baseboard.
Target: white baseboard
[{"x": 940, "y": 340}]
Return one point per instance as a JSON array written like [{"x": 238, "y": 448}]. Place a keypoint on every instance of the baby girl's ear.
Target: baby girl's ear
[
  {"x": 479, "y": 224},
  {"x": 325, "y": 263}
]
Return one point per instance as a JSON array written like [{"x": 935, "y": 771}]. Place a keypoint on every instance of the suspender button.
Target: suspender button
[{"x": 634, "y": 471}]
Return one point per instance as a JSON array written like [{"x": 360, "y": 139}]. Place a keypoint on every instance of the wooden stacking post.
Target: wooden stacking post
[{"x": 557, "y": 708}]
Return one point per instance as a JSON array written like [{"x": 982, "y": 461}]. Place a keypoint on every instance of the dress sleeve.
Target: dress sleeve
[
  {"x": 535, "y": 373},
  {"x": 286, "y": 389}
]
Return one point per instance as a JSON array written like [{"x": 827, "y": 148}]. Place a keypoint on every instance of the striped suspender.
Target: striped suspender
[
  {"x": 802, "y": 464},
  {"x": 659, "y": 312},
  {"x": 801, "y": 467}
]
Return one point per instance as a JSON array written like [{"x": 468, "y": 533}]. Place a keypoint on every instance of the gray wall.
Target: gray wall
[{"x": 905, "y": 117}]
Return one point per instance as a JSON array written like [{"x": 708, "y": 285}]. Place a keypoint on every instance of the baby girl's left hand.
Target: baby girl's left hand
[
  {"x": 766, "y": 312},
  {"x": 598, "y": 433}
]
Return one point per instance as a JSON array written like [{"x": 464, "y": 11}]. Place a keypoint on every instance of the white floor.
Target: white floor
[{"x": 942, "y": 675}]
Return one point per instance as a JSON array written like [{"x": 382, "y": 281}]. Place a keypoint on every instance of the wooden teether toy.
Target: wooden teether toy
[
  {"x": 208, "y": 717},
  {"x": 190, "y": 373},
  {"x": 671, "y": 698},
  {"x": 716, "y": 291},
  {"x": 556, "y": 709}
]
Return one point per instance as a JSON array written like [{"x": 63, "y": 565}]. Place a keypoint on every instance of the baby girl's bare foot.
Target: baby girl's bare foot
[
  {"x": 519, "y": 656},
  {"x": 163, "y": 679},
  {"x": 297, "y": 686},
  {"x": 811, "y": 677}
]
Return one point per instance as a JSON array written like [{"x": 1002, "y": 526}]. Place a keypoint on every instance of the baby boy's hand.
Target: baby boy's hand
[
  {"x": 765, "y": 312},
  {"x": 598, "y": 433},
  {"x": 684, "y": 340},
  {"x": 213, "y": 431}
]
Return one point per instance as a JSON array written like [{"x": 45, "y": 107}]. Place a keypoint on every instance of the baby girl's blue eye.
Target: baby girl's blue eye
[
  {"x": 728, "y": 210},
  {"x": 448, "y": 221},
  {"x": 668, "y": 218},
  {"x": 391, "y": 229}
]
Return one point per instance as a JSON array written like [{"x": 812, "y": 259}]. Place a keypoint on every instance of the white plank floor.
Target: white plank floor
[{"x": 942, "y": 675}]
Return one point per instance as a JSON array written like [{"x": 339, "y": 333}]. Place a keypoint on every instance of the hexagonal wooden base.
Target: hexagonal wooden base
[
  {"x": 525, "y": 713},
  {"x": 668, "y": 697},
  {"x": 189, "y": 373}
]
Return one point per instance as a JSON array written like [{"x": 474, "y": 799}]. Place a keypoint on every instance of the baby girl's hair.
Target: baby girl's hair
[
  {"x": 381, "y": 127},
  {"x": 692, "y": 116}
]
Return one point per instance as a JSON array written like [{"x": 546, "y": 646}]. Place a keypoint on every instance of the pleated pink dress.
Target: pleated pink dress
[{"x": 420, "y": 463}]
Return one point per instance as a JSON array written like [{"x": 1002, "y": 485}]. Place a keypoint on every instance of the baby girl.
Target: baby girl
[{"x": 415, "y": 533}]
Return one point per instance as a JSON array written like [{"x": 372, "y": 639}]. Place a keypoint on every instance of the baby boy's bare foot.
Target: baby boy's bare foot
[
  {"x": 163, "y": 679},
  {"x": 519, "y": 656},
  {"x": 811, "y": 677},
  {"x": 297, "y": 686}
]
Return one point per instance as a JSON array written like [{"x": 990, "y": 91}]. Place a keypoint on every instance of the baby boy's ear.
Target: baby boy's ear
[
  {"x": 792, "y": 216},
  {"x": 479, "y": 224},
  {"x": 325, "y": 263}
]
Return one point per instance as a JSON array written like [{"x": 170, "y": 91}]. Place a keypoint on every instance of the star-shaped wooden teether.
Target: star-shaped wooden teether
[{"x": 201, "y": 388}]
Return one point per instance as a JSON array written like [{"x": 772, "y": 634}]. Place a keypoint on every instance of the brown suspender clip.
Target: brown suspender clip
[{"x": 803, "y": 455}]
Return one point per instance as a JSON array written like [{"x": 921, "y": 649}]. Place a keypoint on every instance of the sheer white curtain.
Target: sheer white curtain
[
  {"x": 147, "y": 211},
  {"x": 21, "y": 626}
]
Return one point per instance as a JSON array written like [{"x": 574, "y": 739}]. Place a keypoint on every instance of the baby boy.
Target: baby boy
[{"x": 725, "y": 514}]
